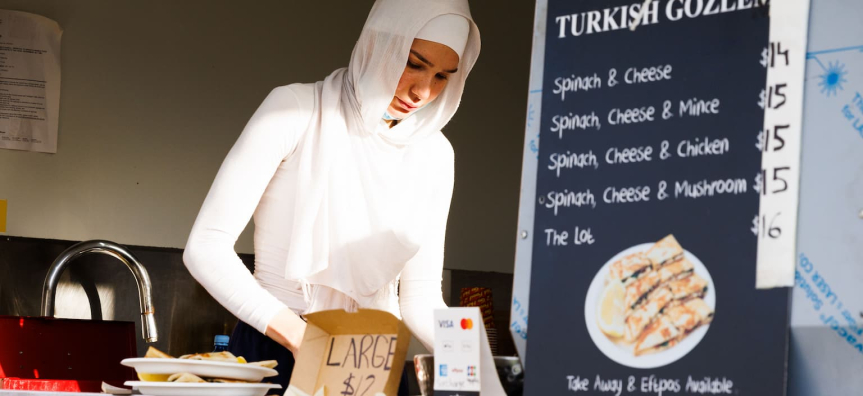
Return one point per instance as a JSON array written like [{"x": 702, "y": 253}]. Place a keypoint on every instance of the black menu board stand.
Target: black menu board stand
[{"x": 644, "y": 252}]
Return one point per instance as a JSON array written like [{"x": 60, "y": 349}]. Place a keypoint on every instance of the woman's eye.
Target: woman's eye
[
  {"x": 414, "y": 65},
  {"x": 441, "y": 77}
]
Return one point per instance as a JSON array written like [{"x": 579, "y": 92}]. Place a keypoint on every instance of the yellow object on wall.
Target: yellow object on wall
[{"x": 2, "y": 215}]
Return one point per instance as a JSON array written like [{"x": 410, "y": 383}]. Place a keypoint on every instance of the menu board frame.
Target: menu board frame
[{"x": 561, "y": 273}]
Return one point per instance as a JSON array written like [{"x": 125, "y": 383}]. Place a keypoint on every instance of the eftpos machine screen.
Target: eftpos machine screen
[{"x": 647, "y": 199}]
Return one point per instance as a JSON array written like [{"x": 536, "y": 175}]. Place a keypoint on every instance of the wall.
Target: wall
[{"x": 154, "y": 94}]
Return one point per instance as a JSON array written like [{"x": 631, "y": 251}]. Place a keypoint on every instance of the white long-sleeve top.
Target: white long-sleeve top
[{"x": 258, "y": 177}]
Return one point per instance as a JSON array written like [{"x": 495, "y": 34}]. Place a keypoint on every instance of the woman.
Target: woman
[{"x": 349, "y": 181}]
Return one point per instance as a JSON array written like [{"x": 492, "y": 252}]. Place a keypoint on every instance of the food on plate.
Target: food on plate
[
  {"x": 215, "y": 357},
  {"x": 690, "y": 287},
  {"x": 153, "y": 377},
  {"x": 659, "y": 336},
  {"x": 266, "y": 363},
  {"x": 637, "y": 291},
  {"x": 666, "y": 251},
  {"x": 703, "y": 312},
  {"x": 690, "y": 315},
  {"x": 185, "y": 377},
  {"x": 224, "y": 357},
  {"x": 155, "y": 353},
  {"x": 641, "y": 317},
  {"x": 611, "y": 310},
  {"x": 228, "y": 381},
  {"x": 653, "y": 299},
  {"x": 677, "y": 270},
  {"x": 629, "y": 268}
]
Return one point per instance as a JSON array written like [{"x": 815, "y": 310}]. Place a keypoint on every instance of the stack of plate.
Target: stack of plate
[{"x": 202, "y": 368}]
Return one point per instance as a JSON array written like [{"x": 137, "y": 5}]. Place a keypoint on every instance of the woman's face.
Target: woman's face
[{"x": 429, "y": 66}]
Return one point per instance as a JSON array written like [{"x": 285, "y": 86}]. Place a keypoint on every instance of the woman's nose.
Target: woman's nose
[{"x": 421, "y": 90}]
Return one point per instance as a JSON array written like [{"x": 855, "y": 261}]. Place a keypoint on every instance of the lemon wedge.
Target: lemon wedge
[
  {"x": 611, "y": 311},
  {"x": 153, "y": 377},
  {"x": 241, "y": 359}
]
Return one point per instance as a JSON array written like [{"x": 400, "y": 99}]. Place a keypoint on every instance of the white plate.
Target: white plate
[
  {"x": 201, "y": 368},
  {"x": 201, "y": 389},
  {"x": 623, "y": 354}
]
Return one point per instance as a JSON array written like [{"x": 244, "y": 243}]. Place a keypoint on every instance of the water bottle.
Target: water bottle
[{"x": 221, "y": 343}]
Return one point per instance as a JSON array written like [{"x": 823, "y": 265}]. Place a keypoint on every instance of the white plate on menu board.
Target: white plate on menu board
[
  {"x": 624, "y": 354},
  {"x": 201, "y": 368},
  {"x": 201, "y": 389}
]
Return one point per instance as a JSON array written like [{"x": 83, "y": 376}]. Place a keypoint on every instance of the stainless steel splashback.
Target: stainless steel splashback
[{"x": 95, "y": 287}]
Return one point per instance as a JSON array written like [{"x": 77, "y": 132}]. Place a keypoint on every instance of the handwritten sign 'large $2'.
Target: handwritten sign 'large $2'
[{"x": 358, "y": 365}]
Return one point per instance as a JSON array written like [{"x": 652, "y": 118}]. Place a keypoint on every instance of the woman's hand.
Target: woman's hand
[{"x": 287, "y": 328}]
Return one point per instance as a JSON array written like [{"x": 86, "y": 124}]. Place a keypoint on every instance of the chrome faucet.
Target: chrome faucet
[{"x": 145, "y": 288}]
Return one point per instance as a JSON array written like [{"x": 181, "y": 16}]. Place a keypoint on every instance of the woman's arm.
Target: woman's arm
[
  {"x": 270, "y": 135},
  {"x": 420, "y": 285}
]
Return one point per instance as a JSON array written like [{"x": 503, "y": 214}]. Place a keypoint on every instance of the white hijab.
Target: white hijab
[{"x": 352, "y": 230}]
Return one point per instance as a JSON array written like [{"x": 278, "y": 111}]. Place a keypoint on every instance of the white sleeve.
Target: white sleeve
[
  {"x": 270, "y": 135},
  {"x": 420, "y": 290}
]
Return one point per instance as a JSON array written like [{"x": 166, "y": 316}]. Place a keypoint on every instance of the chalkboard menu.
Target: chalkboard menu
[{"x": 644, "y": 245}]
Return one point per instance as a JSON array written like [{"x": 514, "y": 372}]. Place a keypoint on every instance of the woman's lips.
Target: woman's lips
[{"x": 405, "y": 105}]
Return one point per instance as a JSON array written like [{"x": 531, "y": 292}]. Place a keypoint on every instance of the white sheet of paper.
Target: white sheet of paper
[
  {"x": 782, "y": 100},
  {"x": 29, "y": 81}
]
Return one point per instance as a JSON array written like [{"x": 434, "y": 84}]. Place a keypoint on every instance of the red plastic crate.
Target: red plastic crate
[{"x": 64, "y": 354}]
